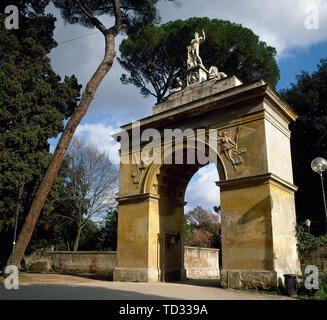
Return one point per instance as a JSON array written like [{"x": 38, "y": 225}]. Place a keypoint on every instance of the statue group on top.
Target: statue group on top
[
  {"x": 193, "y": 50},
  {"x": 196, "y": 72}
]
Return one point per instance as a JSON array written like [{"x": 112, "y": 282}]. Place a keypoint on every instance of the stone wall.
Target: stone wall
[
  {"x": 318, "y": 258},
  {"x": 201, "y": 263},
  {"x": 100, "y": 262}
]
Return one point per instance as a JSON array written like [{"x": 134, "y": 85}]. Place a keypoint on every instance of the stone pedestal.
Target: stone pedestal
[
  {"x": 196, "y": 74},
  {"x": 144, "y": 250},
  {"x": 196, "y": 92},
  {"x": 258, "y": 231}
]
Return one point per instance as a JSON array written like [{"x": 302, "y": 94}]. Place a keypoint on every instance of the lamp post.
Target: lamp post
[
  {"x": 319, "y": 165},
  {"x": 307, "y": 224}
]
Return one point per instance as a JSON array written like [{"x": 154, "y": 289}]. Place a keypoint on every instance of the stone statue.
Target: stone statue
[
  {"x": 179, "y": 85},
  {"x": 214, "y": 73},
  {"x": 193, "y": 50}
]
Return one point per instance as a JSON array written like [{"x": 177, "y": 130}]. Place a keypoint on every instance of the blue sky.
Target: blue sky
[
  {"x": 282, "y": 24},
  {"x": 302, "y": 59}
]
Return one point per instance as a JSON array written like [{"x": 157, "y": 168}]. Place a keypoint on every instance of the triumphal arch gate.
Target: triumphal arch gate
[{"x": 244, "y": 130}]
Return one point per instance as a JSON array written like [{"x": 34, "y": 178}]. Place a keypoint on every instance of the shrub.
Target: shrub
[{"x": 308, "y": 242}]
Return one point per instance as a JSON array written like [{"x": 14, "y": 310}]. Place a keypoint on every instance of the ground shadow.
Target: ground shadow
[
  {"x": 212, "y": 283},
  {"x": 69, "y": 292}
]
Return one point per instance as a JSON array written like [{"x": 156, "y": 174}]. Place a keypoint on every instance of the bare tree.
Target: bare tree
[
  {"x": 204, "y": 227},
  {"x": 199, "y": 238},
  {"x": 203, "y": 219},
  {"x": 90, "y": 183}
]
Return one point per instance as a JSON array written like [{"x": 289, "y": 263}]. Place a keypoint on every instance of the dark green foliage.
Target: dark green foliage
[
  {"x": 61, "y": 233},
  {"x": 308, "y": 242},
  {"x": 52, "y": 231},
  {"x": 109, "y": 230},
  {"x": 26, "y": 7},
  {"x": 34, "y": 102},
  {"x": 134, "y": 13},
  {"x": 154, "y": 56},
  {"x": 313, "y": 294},
  {"x": 309, "y": 140},
  {"x": 91, "y": 237}
]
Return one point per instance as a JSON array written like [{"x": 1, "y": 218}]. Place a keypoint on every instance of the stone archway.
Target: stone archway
[
  {"x": 256, "y": 186},
  {"x": 168, "y": 183}
]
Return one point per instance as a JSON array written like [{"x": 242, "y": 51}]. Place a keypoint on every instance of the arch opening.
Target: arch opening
[{"x": 169, "y": 182}]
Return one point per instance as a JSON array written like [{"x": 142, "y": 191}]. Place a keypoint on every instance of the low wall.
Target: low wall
[
  {"x": 92, "y": 262},
  {"x": 84, "y": 262},
  {"x": 199, "y": 263}
]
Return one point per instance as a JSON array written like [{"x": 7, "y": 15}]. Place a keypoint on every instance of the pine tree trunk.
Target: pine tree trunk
[{"x": 47, "y": 180}]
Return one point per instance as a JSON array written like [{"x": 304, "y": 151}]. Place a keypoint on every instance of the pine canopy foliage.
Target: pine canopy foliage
[{"x": 156, "y": 55}]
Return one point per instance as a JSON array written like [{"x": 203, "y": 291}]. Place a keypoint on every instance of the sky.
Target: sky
[{"x": 296, "y": 28}]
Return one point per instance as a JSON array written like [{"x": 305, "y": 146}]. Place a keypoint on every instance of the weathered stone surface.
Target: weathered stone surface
[
  {"x": 201, "y": 263},
  {"x": 39, "y": 254},
  {"x": 250, "y": 279},
  {"x": 202, "y": 273},
  {"x": 41, "y": 266},
  {"x": 196, "y": 75},
  {"x": 137, "y": 275},
  {"x": 96, "y": 262},
  {"x": 195, "y": 92},
  {"x": 85, "y": 262},
  {"x": 318, "y": 258}
]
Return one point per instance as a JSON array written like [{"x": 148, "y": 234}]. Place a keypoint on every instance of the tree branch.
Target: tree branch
[
  {"x": 121, "y": 7},
  {"x": 62, "y": 216},
  {"x": 119, "y": 21},
  {"x": 96, "y": 22}
]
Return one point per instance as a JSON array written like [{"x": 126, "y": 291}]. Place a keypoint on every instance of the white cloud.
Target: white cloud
[
  {"x": 202, "y": 189},
  {"x": 100, "y": 135}
]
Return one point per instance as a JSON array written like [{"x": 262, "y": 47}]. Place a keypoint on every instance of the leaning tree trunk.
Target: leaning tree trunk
[{"x": 47, "y": 180}]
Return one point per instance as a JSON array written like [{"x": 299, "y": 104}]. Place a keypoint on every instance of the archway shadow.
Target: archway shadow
[{"x": 210, "y": 283}]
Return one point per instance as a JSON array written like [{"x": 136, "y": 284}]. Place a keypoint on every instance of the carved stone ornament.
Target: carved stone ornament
[
  {"x": 214, "y": 73},
  {"x": 196, "y": 75},
  {"x": 229, "y": 147},
  {"x": 193, "y": 78},
  {"x": 140, "y": 169},
  {"x": 155, "y": 188},
  {"x": 179, "y": 85}
]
